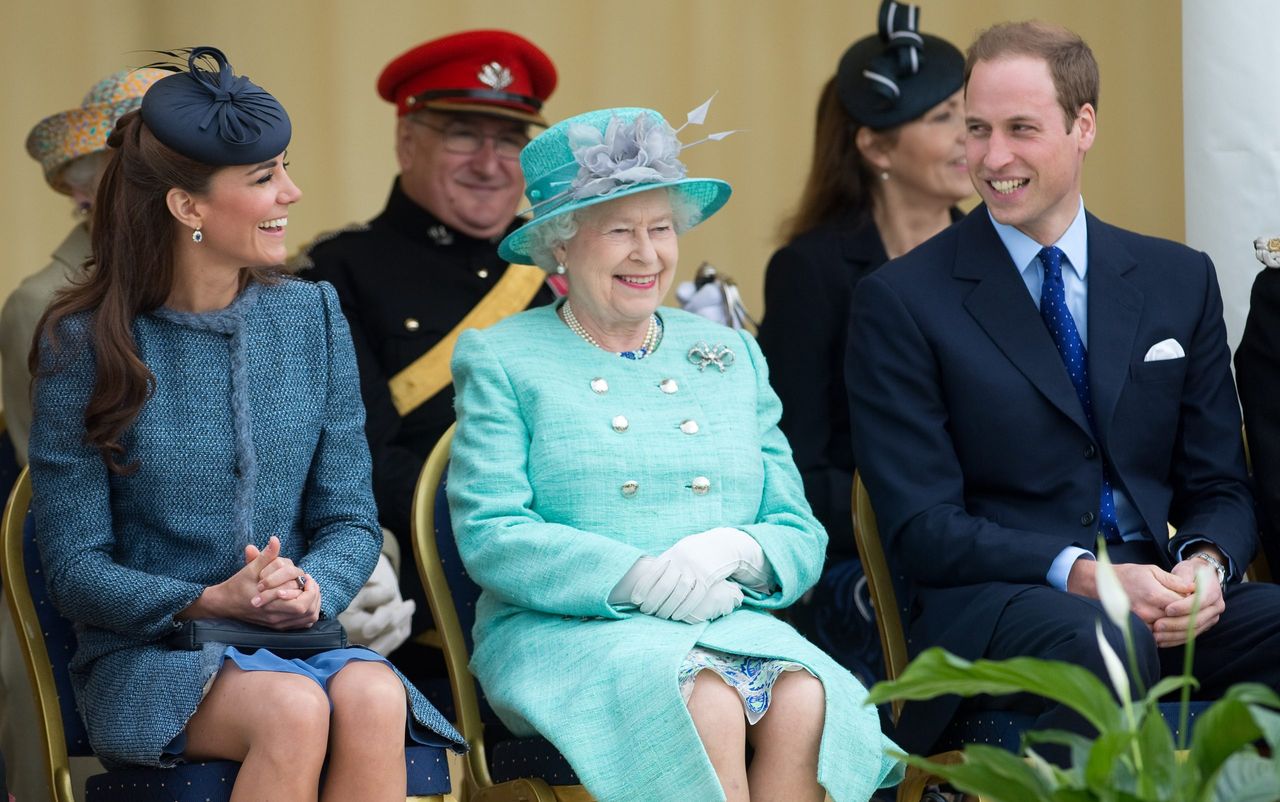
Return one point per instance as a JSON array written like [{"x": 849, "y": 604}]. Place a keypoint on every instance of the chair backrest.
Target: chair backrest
[
  {"x": 451, "y": 595},
  {"x": 47, "y": 639},
  {"x": 880, "y": 583}
]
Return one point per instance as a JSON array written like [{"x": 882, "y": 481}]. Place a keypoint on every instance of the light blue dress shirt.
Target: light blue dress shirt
[{"x": 1074, "y": 243}]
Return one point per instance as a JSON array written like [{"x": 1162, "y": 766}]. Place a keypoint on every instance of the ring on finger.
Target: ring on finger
[{"x": 302, "y": 582}]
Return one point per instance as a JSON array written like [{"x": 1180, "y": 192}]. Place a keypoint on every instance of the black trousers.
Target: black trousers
[{"x": 1244, "y": 646}]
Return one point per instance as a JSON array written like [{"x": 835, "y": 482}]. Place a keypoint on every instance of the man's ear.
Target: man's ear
[
  {"x": 1087, "y": 119},
  {"x": 873, "y": 147},
  {"x": 404, "y": 143},
  {"x": 184, "y": 207}
]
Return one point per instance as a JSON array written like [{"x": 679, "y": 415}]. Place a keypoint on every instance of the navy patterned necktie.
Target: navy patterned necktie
[{"x": 1062, "y": 327}]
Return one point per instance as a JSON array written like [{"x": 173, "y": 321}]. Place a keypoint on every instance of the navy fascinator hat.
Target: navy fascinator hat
[
  {"x": 210, "y": 115},
  {"x": 899, "y": 74}
]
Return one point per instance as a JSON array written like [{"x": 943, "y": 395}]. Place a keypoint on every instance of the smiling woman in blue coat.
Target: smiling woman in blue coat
[
  {"x": 622, "y": 493},
  {"x": 198, "y": 452}
]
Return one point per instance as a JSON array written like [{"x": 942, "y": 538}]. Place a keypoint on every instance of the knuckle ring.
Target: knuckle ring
[{"x": 302, "y": 582}]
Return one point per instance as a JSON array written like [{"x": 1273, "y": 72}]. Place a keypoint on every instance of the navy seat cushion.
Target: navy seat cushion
[
  {"x": 530, "y": 757},
  {"x": 1004, "y": 728}
]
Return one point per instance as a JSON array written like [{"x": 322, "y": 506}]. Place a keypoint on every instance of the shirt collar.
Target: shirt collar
[{"x": 1074, "y": 242}]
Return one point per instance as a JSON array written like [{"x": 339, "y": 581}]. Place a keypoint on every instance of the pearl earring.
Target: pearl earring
[
  {"x": 197, "y": 236},
  {"x": 884, "y": 175},
  {"x": 560, "y": 269}
]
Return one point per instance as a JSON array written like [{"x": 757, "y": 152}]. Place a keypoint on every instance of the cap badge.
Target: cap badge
[
  {"x": 440, "y": 235},
  {"x": 495, "y": 76}
]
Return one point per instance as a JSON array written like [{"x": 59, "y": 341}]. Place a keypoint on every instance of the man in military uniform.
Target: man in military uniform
[
  {"x": 427, "y": 267},
  {"x": 429, "y": 261}
]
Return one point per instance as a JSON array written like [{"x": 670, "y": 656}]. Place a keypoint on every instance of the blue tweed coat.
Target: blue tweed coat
[
  {"x": 535, "y": 492},
  {"x": 255, "y": 428}
]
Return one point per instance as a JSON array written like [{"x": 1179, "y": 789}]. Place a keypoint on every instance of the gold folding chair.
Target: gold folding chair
[{"x": 448, "y": 587}]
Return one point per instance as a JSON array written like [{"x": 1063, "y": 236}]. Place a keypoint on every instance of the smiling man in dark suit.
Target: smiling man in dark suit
[{"x": 1033, "y": 379}]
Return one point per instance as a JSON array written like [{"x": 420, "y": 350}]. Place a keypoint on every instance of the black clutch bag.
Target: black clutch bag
[{"x": 322, "y": 636}]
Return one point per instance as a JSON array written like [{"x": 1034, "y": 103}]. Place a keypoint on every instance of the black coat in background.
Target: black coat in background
[
  {"x": 808, "y": 288},
  {"x": 1258, "y": 379},
  {"x": 808, "y": 293},
  {"x": 404, "y": 280}
]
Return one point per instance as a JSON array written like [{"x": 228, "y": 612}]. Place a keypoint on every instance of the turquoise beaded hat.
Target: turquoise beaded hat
[{"x": 602, "y": 155}]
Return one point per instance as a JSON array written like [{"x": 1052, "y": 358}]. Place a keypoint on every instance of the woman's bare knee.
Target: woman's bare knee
[
  {"x": 369, "y": 690},
  {"x": 258, "y": 710},
  {"x": 798, "y": 703}
]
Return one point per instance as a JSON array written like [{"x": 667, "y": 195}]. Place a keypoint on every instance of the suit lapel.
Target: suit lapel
[
  {"x": 1115, "y": 309},
  {"x": 1003, "y": 308}
]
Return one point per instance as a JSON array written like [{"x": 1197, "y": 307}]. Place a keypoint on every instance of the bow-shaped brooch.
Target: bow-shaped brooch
[{"x": 719, "y": 355}]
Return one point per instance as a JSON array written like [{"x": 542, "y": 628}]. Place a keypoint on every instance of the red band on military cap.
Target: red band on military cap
[{"x": 487, "y": 72}]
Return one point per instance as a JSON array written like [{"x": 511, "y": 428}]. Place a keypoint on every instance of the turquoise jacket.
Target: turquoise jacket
[{"x": 539, "y": 462}]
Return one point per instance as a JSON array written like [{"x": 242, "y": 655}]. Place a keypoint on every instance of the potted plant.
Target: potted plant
[{"x": 1133, "y": 758}]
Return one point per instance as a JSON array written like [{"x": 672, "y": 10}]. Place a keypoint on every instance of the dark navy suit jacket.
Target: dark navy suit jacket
[{"x": 976, "y": 452}]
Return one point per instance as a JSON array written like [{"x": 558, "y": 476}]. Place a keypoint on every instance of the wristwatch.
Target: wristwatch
[{"x": 1217, "y": 566}]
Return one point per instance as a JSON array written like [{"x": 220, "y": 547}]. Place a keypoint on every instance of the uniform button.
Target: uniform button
[
  {"x": 482, "y": 273},
  {"x": 701, "y": 485},
  {"x": 689, "y": 427},
  {"x": 411, "y": 324},
  {"x": 630, "y": 488},
  {"x": 599, "y": 386},
  {"x": 1090, "y": 452},
  {"x": 669, "y": 386},
  {"x": 1086, "y": 519},
  {"x": 621, "y": 424}
]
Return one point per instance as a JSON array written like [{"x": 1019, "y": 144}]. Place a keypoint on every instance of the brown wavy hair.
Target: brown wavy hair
[
  {"x": 130, "y": 273},
  {"x": 840, "y": 179}
]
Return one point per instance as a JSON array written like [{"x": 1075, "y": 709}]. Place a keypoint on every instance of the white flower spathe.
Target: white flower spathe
[{"x": 1115, "y": 601}]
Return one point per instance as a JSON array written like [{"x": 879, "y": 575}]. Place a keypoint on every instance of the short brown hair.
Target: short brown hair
[{"x": 1071, "y": 62}]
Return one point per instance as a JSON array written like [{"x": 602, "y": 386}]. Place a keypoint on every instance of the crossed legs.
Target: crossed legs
[
  {"x": 280, "y": 728},
  {"x": 785, "y": 739}
]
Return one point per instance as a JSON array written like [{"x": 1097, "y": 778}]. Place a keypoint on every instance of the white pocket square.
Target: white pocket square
[{"x": 1165, "y": 349}]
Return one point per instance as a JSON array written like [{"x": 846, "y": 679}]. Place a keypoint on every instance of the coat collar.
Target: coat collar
[
  {"x": 420, "y": 225},
  {"x": 1001, "y": 306}
]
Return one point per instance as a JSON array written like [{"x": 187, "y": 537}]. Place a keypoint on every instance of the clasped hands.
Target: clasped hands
[
  {"x": 698, "y": 579},
  {"x": 1163, "y": 599},
  {"x": 265, "y": 592}
]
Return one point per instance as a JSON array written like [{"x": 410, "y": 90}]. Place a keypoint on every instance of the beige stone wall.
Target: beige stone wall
[{"x": 766, "y": 59}]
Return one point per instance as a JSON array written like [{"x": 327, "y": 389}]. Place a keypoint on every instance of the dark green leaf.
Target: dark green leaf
[
  {"x": 935, "y": 673},
  {"x": 1269, "y": 722},
  {"x": 1157, "y": 778},
  {"x": 992, "y": 773},
  {"x": 1221, "y": 730},
  {"x": 1169, "y": 685},
  {"x": 1247, "y": 777},
  {"x": 1080, "y": 747},
  {"x": 1109, "y": 764}
]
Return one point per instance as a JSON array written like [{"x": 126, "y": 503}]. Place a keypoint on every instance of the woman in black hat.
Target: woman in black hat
[
  {"x": 888, "y": 169},
  {"x": 198, "y": 452}
]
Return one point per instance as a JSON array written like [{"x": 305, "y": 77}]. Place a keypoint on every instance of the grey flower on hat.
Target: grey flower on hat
[{"x": 625, "y": 153}]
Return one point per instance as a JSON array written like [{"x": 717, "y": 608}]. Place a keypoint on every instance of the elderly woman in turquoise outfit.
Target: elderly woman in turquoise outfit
[
  {"x": 198, "y": 451},
  {"x": 621, "y": 492}
]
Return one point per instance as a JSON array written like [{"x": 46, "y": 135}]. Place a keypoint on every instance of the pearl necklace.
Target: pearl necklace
[{"x": 646, "y": 346}]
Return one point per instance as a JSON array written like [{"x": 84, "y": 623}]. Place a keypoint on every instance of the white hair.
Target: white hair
[{"x": 559, "y": 230}]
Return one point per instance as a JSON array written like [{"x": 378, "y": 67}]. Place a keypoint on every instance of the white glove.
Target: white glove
[
  {"x": 722, "y": 598},
  {"x": 658, "y": 588},
  {"x": 1267, "y": 249},
  {"x": 377, "y": 617},
  {"x": 723, "y": 553}
]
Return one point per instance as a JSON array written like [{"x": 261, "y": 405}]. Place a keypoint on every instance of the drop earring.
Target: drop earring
[
  {"x": 197, "y": 236},
  {"x": 884, "y": 175}
]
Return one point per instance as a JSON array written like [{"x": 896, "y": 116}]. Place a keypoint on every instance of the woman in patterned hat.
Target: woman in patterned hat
[
  {"x": 888, "y": 170},
  {"x": 198, "y": 452},
  {"x": 72, "y": 150},
  {"x": 621, "y": 492}
]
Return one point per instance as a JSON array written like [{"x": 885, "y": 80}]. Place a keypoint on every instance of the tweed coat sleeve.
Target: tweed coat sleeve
[
  {"x": 339, "y": 514},
  {"x": 73, "y": 508},
  {"x": 792, "y": 539},
  {"x": 508, "y": 549}
]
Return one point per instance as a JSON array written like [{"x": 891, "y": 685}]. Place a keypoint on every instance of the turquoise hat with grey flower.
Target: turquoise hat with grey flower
[{"x": 603, "y": 155}]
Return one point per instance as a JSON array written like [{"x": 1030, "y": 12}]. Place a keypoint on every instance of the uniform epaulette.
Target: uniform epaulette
[{"x": 302, "y": 259}]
